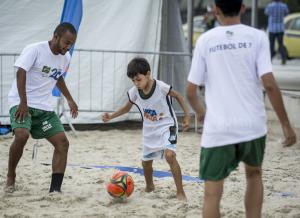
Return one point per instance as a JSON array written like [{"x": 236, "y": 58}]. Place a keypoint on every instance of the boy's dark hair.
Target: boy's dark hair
[
  {"x": 137, "y": 66},
  {"x": 229, "y": 8},
  {"x": 64, "y": 27}
]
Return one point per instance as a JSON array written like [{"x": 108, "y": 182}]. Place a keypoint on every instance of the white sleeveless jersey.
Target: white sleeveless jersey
[{"x": 157, "y": 114}]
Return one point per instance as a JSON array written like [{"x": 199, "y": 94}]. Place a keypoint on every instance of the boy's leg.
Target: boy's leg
[
  {"x": 176, "y": 171},
  {"x": 148, "y": 173},
  {"x": 15, "y": 154},
  {"x": 212, "y": 196},
  {"x": 59, "y": 161},
  {"x": 254, "y": 191}
]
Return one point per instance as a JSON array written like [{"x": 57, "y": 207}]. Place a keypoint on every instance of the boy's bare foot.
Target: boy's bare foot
[
  {"x": 9, "y": 189},
  {"x": 149, "y": 188},
  {"x": 181, "y": 196}
]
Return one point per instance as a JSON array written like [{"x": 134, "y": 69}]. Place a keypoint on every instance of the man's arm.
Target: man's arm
[
  {"x": 64, "y": 90},
  {"x": 266, "y": 11},
  {"x": 22, "y": 110},
  {"x": 191, "y": 92},
  {"x": 183, "y": 105},
  {"x": 123, "y": 110},
  {"x": 286, "y": 10},
  {"x": 275, "y": 98}
]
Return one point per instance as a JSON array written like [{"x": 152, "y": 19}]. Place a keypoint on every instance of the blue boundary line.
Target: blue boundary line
[{"x": 156, "y": 173}]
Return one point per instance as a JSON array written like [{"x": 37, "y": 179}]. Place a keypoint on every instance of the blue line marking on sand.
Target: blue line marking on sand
[{"x": 156, "y": 173}]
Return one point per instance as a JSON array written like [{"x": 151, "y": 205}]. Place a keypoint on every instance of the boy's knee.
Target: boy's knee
[
  {"x": 146, "y": 164},
  {"x": 170, "y": 156}
]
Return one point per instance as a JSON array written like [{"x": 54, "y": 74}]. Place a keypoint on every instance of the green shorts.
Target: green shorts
[
  {"x": 217, "y": 163},
  {"x": 40, "y": 123}
]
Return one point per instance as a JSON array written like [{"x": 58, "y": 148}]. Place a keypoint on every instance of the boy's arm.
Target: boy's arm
[
  {"x": 275, "y": 98},
  {"x": 64, "y": 90},
  {"x": 183, "y": 105},
  {"x": 123, "y": 110},
  {"x": 21, "y": 85},
  {"x": 191, "y": 92}
]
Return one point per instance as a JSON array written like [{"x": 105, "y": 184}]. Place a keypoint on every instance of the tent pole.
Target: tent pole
[
  {"x": 254, "y": 13},
  {"x": 190, "y": 9}
]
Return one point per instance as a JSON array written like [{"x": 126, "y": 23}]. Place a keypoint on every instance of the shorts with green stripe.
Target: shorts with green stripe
[
  {"x": 40, "y": 123},
  {"x": 217, "y": 163}
]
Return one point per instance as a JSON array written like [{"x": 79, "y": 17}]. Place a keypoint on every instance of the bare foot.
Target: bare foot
[
  {"x": 10, "y": 181},
  {"x": 149, "y": 188},
  {"x": 9, "y": 189},
  {"x": 10, "y": 185},
  {"x": 181, "y": 196}
]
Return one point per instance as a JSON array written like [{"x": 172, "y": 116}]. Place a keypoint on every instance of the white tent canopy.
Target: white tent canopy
[{"x": 109, "y": 35}]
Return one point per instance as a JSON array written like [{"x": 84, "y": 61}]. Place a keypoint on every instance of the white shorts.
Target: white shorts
[{"x": 159, "y": 154}]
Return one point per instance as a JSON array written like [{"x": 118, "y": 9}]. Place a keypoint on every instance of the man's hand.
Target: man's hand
[
  {"x": 186, "y": 122},
  {"x": 21, "y": 112},
  {"x": 289, "y": 134},
  {"x": 73, "y": 108},
  {"x": 106, "y": 117}
]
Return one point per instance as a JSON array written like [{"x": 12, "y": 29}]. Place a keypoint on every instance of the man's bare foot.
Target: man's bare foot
[
  {"x": 10, "y": 185},
  {"x": 10, "y": 181},
  {"x": 149, "y": 188},
  {"x": 181, "y": 196}
]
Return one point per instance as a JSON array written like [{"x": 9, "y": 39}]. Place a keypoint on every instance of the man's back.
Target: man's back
[
  {"x": 234, "y": 57},
  {"x": 276, "y": 12}
]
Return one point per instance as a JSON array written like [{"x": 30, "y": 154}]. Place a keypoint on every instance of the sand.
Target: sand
[{"x": 84, "y": 189}]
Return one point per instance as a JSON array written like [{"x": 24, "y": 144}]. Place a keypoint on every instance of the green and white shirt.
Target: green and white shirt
[{"x": 43, "y": 69}]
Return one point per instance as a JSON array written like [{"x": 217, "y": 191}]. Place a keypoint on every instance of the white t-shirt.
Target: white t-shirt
[
  {"x": 43, "y": 68},
  {"x": 229, "y": 61},
  {"x": 158, "y": 115}
]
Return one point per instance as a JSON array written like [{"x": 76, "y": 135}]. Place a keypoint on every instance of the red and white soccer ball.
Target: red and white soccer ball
[{"x": 121, "y": 185}]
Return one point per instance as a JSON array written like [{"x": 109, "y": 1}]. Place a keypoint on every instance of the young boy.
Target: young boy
[
  {"x": 232, "y": 61},
  {"x": 152, "y": 97}
]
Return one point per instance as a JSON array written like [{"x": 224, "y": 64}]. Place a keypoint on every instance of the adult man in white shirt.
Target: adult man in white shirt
[
  {"x": 231, "y": 61},
  {"x": 40, "y": 67}
]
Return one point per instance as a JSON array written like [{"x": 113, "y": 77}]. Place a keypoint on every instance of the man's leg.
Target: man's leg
[
  {"x": 281, "y": 48},
  {"x": 59, "y": 161},
  {"x": 148, "y": 173},
  {"x": 254, "y": 191},
  {"x": 15, "y": 154},
  {"x": 272, "y": 44},
  {"x": 176, "y": 171},
  {"x": 213, "y": 191}
]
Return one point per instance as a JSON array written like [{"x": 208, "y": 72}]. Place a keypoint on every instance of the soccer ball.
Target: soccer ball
[{"x": 121, "y": 185}]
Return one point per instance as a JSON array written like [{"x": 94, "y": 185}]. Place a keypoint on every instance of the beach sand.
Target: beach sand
[{"x": 84, "y": 189}]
